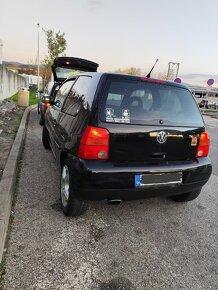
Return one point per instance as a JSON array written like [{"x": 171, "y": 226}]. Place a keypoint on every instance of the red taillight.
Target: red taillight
[
  {"x": 204, "y": 145},
  {"x": 46, "y": 105},
  {"x": 94, "y": 143}
]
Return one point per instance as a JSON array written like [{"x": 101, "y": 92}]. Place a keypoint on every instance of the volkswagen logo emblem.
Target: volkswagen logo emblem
[{"x": 161, "y": 137}]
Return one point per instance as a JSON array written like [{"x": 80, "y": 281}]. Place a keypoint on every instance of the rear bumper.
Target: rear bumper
[{"x": 107, "y": 180}]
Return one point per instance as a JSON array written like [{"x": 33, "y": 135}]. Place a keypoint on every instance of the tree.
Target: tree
[
  {"x": 162, "y": 75},
  {"x": 129, "y": 71},
  {"x": 56, "y": 46},
  {"x": 133, "y": 71}
]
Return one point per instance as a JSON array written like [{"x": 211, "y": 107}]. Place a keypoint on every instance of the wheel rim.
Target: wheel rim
[{"x": 65, "y": 185}]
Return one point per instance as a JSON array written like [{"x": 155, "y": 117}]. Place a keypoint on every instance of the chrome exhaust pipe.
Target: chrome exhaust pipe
[{"x": 114, "y": 201}]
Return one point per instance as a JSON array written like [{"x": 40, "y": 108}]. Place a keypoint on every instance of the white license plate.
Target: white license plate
[{"x": 158, "y": 179}]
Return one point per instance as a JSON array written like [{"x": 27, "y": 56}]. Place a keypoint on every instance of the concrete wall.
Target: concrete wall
[
  {"x": 10, "y": 82},
  {"x": 1, "y": 45}
]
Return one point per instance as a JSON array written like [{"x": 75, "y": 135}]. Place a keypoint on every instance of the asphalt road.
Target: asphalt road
[{"x": 149, "y": 244}]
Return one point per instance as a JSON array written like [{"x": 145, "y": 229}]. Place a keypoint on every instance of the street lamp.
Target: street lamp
[{"x": 37, "y": 23}]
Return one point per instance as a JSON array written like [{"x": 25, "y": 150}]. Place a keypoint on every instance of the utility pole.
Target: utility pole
[{"x": 37, "y": 23}]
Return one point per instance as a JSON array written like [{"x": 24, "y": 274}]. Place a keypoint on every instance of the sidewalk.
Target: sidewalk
[{"x": 8, "y": 179}]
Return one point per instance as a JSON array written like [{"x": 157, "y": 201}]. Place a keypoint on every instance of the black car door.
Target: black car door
[
  {"x": 55, "y": 110},
  {"x": 74, "y": 114}
]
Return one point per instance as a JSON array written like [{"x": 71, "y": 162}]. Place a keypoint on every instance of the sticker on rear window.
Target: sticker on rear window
[
  {"x": 109, "y": 112},
  {"x": 121, "y": 120},
  {"x": 121, "y": 117},
  {"x": 125, "y": 114}
]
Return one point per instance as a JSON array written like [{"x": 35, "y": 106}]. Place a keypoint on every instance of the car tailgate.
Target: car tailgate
[{"x": 144, "y": 143}]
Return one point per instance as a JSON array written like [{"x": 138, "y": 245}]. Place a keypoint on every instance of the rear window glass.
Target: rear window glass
[
  {"x": 64, "y": 73},
  {"x": 139, "y": 102}
]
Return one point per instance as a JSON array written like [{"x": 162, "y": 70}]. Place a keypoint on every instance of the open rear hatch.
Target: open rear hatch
[{"x": 64, "y": 67}]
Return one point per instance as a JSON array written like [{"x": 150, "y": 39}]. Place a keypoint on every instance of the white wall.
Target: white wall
[
  {"x": 10, "y": 82},
  {"x": 1, "y": 45}
]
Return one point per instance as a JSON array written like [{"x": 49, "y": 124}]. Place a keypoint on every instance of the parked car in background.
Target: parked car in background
[
  {"x": 62, "y": 68},
  {"x": 46, "y": 98},
  {"x": 207, "y": 104},
  {"x": 119, "y": 137}
]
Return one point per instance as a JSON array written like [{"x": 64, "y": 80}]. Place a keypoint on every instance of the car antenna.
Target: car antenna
[{"x": 149, "y": 74}]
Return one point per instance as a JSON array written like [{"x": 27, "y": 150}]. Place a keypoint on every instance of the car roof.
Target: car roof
[{"x": 98, "y": 75}]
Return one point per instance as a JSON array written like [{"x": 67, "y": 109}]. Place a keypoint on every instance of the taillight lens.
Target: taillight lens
[
  {"x": 94, "y": 144},
  {"x": 204, "y": 145},
  {"x": 46, "y": 105}
]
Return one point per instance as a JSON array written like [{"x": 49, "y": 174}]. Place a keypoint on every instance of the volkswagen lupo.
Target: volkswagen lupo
[{"x": 120, "y": 137}]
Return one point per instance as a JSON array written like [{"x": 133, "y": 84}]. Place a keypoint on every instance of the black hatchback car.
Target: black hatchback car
[{"x": 119, "y": 137}]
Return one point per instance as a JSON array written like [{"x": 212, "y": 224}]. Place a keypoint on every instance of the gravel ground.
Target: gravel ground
[{"x": 149, "y": 244}]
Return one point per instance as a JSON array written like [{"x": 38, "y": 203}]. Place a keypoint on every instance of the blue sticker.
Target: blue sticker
[{"x": 138, "y": 180}]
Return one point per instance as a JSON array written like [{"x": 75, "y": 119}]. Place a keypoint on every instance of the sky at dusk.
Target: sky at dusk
[{"x": 118, "y": 33}]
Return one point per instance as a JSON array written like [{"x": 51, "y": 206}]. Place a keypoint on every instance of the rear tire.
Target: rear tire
[
  {"x": 188, "y": 196},
  {"x": 45, "y": 138},
  {"x": 71, "y": 205}
]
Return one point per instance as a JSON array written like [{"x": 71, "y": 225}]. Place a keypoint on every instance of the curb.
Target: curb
[{"x": 8, "y": 179}]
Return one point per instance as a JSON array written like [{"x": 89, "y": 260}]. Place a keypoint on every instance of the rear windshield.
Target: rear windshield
[{"x": 140, "y": 102}]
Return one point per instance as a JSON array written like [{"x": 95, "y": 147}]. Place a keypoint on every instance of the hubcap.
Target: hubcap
[{"x": 65, "y": 185}]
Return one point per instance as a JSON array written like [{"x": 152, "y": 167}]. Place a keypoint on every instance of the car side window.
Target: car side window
[
  {"x": 77, "y": 96},
  {"x": 49, "y": 87},
  {"x": 62, "y": 94}
]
